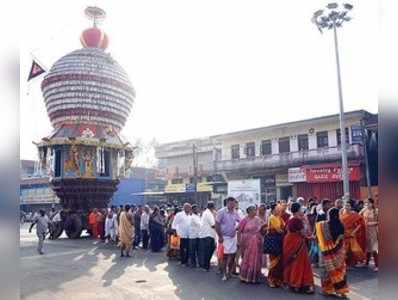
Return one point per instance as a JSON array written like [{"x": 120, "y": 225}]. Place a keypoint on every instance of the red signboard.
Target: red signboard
[{"x": 331, "y": 174}]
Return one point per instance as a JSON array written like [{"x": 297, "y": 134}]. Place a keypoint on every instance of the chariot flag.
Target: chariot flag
[{"x": 35, "y": 70}]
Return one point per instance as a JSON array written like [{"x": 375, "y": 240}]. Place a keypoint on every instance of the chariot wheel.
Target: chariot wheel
[
  {"x": 57, "y": 230},
  {"x": 73, "y": 226}
]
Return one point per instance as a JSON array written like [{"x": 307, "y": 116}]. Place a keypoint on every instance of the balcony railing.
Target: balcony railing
[{"x": 290, "y": 159}]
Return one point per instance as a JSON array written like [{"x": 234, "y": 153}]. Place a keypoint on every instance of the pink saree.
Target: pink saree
[{"x": 251, "y": 247}]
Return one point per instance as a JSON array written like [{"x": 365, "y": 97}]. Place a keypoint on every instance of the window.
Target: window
[
  {"x": 235, "y": 152},
  {"x": 284, "y": 145},
  {"x": 322, "y": 139},
  {"x": 250, "y": 149},
  {"x": 218, "y": 154},
  {"x": 302, "y": 142},
  {"x": 347, "y": 136},
  {"x": 356, "y": 134},
  {"x": 266, "y": 147}
]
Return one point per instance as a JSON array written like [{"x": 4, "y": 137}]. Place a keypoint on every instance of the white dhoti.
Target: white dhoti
[{"x": 230, "y": 245}]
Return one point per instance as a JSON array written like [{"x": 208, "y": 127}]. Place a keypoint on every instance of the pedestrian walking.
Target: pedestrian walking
[
  {"x": 193, "y": 235},
  {"x": 126, "y": 231},
  {"x": 110, "y": 227},
  {"x": 92, "y": 223},
  {"x": 181, "y": 225},
  {"x": 144, "y": 224},
  {"x": 330, "y": 235},
  {"x": 156, "y": 229},
  {"x": 297, "y": 270},
  {"x": 207, "y": 236},
  {"x": 371, "y": 216},
  {"x": 276, "y": 226},
  {"x": 250, "y": 245},
  {"x": 355, "y": 235},
  {"x": 227, "y": 220},
  {"x": 137, "y": 226},
  {"x": 42, "y": 223}
]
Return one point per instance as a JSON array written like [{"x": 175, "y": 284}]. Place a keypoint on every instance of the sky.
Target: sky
[{"x": 207, "y": 67}]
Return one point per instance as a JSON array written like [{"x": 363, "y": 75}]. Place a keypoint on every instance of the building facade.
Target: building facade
[
  {"x": 301, "y": 158},
  {"x": 35, "y": 193}
]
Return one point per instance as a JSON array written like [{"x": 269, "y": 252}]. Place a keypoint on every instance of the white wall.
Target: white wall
[{"x": 274, "y": 134}]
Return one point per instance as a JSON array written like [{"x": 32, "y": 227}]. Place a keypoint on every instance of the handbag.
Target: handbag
[
  {"x": 174, "y": 242},
  {"x": 220, "y": 252},
  {"x": 273, "y": 243}
]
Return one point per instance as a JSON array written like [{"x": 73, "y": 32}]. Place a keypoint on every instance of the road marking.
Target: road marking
[{"x": 49, "y": 255}]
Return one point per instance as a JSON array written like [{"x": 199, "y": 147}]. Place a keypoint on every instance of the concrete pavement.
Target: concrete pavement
[{"x": 85, "y": 269}]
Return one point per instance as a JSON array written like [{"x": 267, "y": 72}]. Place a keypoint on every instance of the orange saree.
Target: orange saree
[
  {"x": 355, "y": 243},
  {"x": 297, "y": 271}
]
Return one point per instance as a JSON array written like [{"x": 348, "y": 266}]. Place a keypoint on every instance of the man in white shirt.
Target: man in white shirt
[
  {"x": 145, "y": 226},
  {"x": 194, "y": 230},
  {"x": 207, "y": 235},
  {"x": 181, "y": 224}
]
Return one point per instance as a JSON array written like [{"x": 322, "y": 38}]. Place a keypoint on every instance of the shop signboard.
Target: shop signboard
[
  {"x": 281, "y": 179},
  {"x": 247, "y": 192},
  {"x": 175, "y": 188},
  {"x": 296, "y": 175},
  {"x": 204, "y": 187},
  {"x": 331, "y": 174}
]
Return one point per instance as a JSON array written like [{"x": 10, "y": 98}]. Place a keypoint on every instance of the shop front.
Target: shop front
[
  {"x": 178, "y": 194},
  {"x": 324, "y": 181}
]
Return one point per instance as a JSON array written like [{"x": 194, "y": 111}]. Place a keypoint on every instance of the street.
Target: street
[{"x": 87, "y": 269}]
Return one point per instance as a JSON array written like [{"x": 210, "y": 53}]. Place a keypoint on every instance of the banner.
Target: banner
[
  {"x": 331, "y": 174},
  {"x": 247, "y": 192},
  {"x": 35, "y": 70},
  {"x": 204, "y": 187},
  {"x": 175, "y": 188},
  {"x": 296, "y": 175}
]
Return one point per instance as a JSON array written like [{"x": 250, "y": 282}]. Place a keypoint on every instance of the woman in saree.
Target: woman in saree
[
  {"x": 297, "y": 271},
  {"x": 330, "y": 235},
  {"x": 370, "y": 215},
  {"x": 250, "y": 245},
  {"x": 275, "y": 269},
  {"x": 156, "y": 229},
  {"x": 355, "y": 235}
]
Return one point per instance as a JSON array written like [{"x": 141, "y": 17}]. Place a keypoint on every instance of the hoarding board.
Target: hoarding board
[{"x": 247, "y": 192}]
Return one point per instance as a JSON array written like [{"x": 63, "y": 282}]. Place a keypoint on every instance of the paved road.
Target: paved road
[{"x": 84, "y": 269}]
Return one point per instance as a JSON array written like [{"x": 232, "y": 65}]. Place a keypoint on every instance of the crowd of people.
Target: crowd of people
[{"x": 289, "y": 238}]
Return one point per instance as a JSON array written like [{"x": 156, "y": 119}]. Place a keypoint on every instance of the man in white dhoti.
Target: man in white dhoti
[{"x": 110, "y": 227}]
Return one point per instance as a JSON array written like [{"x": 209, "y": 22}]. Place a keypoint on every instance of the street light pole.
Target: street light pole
[
  {"x": 334, "y": 16},
  {"x": 344, "y": 167}
]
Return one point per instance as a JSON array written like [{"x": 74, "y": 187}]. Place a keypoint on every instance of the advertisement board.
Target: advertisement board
[
  {"x": 297, "y": 175},
  {"x": 204, "y": 187},
  {"x": 331, "y": 174},
  {"x": 247, "y": 192},
  {"x": 175, "y": 188}
]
